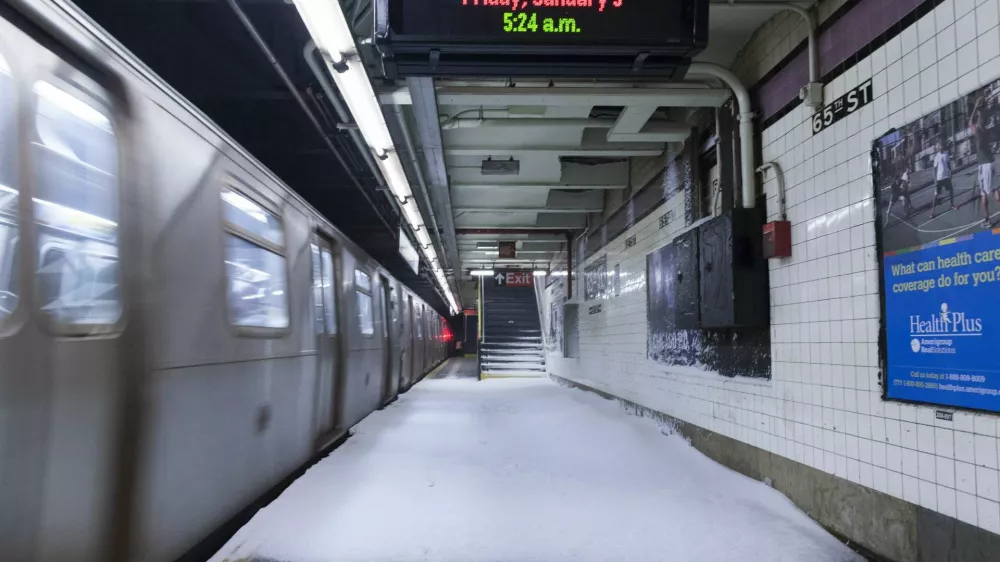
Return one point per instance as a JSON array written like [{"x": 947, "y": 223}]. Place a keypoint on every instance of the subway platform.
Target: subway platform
[{"x": 525, "y": 470}]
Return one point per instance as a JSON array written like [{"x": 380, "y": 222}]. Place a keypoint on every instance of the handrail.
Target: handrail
[{"x": 479, "y": 333}]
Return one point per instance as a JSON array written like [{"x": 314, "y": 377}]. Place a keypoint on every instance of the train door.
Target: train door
[
  {"x": 68, "y": 358},
  {"x": 390, "y": 340},
  {"x": 324, "y": 281}
]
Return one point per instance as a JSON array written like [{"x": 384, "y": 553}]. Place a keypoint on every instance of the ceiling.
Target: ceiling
[
  {"x": 201, "y": 49},
  {"x": 574, "y": 141}
]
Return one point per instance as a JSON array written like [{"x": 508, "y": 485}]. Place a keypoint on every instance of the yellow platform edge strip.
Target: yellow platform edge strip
[{"x": 435, "y": 372}]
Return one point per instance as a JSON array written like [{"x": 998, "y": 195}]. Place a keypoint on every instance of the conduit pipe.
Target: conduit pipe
[
  {"x": 780, "y": 178},
  {"x": 811, "y": 93},
  {"x": 415, "y": 162},
  {"x": 749, "y": 192}
]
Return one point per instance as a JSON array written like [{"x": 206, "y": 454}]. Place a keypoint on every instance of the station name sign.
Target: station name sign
[{"x": 841, "y": 107}]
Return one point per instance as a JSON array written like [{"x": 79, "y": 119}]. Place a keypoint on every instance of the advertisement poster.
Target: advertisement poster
[{"x": 939, "y": 209}]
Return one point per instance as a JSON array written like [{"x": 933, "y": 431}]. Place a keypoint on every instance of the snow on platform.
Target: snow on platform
[{"x": 524, "y": 470}]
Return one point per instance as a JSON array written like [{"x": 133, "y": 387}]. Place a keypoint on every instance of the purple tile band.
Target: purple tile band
[{"x": 859, "y": 26}]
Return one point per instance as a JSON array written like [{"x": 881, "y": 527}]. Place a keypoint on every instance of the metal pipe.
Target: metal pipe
[
  {"x": 780, "y": 178},
  {"x": 746, "y": 125},
  {"x": 345, "y": 117},
  {"x": 248, "y": 25},
  {"x": 412, "y": 151},
  {"x": 810, "y": 20}
]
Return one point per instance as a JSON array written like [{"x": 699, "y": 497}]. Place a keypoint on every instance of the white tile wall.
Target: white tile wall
[{"x": 823, "y": 406}]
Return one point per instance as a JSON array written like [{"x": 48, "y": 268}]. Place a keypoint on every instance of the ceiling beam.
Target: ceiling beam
[
  {"x": 603, "y": 151},
  {"x": 494, "y": 238},
  {"x": 512, "y": 230},
  {"x": 673, "y": 96},
  {"x": 527, "y": 210},
  {"x": 536, "y": 186},
  {"x": 495, "y": 250}
]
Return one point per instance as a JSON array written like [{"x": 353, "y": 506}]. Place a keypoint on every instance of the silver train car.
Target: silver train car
[{"x": 179, "y": 331}]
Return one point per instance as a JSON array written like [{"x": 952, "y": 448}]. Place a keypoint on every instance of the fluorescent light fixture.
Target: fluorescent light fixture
[
  {"x": 481, "y": 272},
  {"x": 540, "y": 273},
  {"x": 392, "y": 169},
  {"x": 558, "y": 273},
  {"x": 328, "y": 27},
  {"x": 425, "y": 240},
  {"x": 329, "y": 30}
]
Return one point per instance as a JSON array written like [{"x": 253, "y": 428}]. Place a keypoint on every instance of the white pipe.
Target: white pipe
[
  {"x": 780, "y": 178},
  {"x": 746, "y": 125},
  {"x": 806, "y": 14}
]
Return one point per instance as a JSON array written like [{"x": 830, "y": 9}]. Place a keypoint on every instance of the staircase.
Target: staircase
[{"x": 512, "y": 335}]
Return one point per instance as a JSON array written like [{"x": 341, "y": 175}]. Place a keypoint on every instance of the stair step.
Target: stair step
[
  {"x": 512, "y": 338},
  {"x": 493, "y": 367},
  {"x": 513, "y": 360}
]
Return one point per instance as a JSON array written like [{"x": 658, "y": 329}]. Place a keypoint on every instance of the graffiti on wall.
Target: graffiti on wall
[{"x": 595, "y": 279}]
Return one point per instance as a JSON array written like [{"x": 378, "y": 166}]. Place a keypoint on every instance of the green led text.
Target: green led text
[{"x": 522, "y": 22}]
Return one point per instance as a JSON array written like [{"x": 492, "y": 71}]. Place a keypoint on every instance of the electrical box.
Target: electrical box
[
  {"x": 687, "y": 289},
  {"x": 733, "y": 272},
  {"x": 778, "y": 240}
]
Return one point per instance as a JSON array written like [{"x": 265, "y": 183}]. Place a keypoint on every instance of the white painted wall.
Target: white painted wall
[{"x": 823, "y": 405}]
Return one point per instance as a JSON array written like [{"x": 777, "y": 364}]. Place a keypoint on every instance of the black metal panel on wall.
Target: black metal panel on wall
[
  {"x": 729, "y": 352},
  {"x": 687, "y": 309},
  {"x": 715, "y": 252},
  {"x": 735, "y": 291},
  {"x": 727, "y": 154}
]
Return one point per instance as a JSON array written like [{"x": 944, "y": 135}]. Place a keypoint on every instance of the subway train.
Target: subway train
[{"x": 179, "y": 331}]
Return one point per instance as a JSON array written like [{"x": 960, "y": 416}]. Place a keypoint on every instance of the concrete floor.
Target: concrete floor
[
  {"x": 523, "y": 470},
  {"x": 458, "y": 368}
]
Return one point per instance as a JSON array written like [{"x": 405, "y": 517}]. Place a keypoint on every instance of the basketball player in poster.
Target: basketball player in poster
[{"x": 984, "y": 155}]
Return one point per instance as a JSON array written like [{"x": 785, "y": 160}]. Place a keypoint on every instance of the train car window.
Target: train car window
[
  {"x": 362, "y": 292},
  {"x": 394, "y": 304},
  {"x": 317, "y": 278},
  {"x": 255, "y": 264},
  {"x": 9, "y": 225},
  {"x": 363, "y": 280},
  {"x": 323, "y": 293},
  {"x": 330, "y": 311},
  {"x": 243, "y": 214},
  {"x": 76, "y": 206},
  {"x": 419, "y": 323}
]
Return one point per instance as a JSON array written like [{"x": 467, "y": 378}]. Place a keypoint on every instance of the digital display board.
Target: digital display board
[
  {"x": 545, "y": 21},
  {"x": 546, "y": 38},
  {"x": 937, "y": 202}
]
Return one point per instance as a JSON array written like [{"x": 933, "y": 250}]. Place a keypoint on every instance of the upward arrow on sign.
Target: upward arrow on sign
[{"x": 499, "y": 278}]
